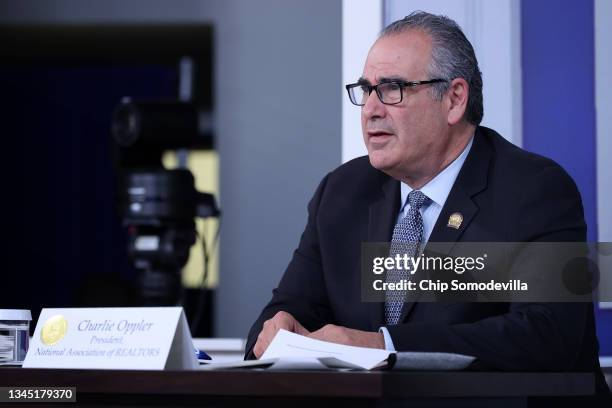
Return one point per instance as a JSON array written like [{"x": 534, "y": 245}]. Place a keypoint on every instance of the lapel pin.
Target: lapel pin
[{"x": 455, "y": 220}]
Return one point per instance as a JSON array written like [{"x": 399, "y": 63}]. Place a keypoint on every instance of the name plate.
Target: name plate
[{"x": 134, "y": 338}]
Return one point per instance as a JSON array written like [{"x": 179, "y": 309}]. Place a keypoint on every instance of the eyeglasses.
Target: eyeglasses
[{"x": 389, "y": 92}]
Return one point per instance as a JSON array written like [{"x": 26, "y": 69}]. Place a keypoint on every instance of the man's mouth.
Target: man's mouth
[{"x": 376, "y": 134}]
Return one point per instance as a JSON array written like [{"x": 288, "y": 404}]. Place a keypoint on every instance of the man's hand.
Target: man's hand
[
  {"x": 281, "y": 320},
  {"x": 350, "y": 337}
]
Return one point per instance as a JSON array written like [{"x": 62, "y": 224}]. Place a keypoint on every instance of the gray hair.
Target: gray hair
[{"x": 452, "y": 56}]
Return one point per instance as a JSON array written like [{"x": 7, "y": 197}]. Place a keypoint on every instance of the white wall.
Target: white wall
[
  {"x": 603, "y": 106},
  {"x": 362, "y": 20},
  {"x": 493, "y": 28}
]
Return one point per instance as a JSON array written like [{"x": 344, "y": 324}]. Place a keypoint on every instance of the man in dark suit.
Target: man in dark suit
[{"x": 428, "y": 158}]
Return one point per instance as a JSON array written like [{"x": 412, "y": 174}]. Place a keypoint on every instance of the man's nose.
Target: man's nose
[{"x": 373, "y": 106}]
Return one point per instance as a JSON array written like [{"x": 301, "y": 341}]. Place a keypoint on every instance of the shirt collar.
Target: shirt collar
[{"x": 438, "y": 188}]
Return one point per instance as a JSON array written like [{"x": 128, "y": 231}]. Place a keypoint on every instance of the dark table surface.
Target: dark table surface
[{"x": 258, "y": 383}]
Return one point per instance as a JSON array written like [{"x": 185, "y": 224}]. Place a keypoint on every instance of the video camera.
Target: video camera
[{"x": 158, "y": 206}]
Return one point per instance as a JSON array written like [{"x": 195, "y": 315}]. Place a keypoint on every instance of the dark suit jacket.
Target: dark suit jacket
[{"x": 505, "y": 195}]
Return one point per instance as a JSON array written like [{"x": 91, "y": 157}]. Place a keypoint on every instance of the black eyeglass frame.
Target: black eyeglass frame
[{"x": 401, "y": 84}]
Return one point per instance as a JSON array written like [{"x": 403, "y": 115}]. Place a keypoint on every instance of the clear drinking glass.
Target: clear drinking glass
[{"x": 14, "y": 335}]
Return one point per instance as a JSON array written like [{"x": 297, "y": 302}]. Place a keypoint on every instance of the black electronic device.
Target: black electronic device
[{"x": 158, "y": 205}]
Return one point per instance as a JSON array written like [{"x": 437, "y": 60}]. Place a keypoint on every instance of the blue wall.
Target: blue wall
[
  {"x": 558, "y": 62},
  {"x": 67, "y": 243}
]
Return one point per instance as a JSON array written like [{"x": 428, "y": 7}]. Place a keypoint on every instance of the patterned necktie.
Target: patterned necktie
[{"x": 407, "y": 237}]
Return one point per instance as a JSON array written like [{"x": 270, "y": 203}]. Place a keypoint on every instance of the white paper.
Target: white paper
[
  {"x": 290, "y": 351},
  {"x": 271, "y": 364},
  {"x": 221, "y": 349},
  {"x": 286, "y": 344},
  {"x": 225, "y": 345}
]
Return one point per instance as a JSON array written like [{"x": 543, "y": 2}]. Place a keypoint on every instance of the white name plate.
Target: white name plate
[{"x": 134, "y": 338}]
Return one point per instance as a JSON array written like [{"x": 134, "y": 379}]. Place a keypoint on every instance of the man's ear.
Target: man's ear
[{"x": 457, "y": 95}]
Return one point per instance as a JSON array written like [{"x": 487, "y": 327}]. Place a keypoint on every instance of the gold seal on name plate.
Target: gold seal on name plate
[
  {"x": 54, "y": 330},
  {"x": 455, "y": 220}
]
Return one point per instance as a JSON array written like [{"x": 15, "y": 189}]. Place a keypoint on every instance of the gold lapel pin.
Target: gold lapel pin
[{"x": 455, "y": 220}]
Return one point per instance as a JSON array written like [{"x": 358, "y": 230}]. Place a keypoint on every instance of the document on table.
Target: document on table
[
  {"x": 290, "y": 351},
  {"x": 333, "y": 355}
]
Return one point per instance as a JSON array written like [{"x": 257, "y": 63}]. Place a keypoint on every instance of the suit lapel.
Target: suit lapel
[
  {"x": 381, "y": 220},
  {"x": 471, "y": 180}
]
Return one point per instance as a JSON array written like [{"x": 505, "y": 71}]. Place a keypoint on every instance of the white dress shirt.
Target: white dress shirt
[{"x": 437, "y": 189}]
